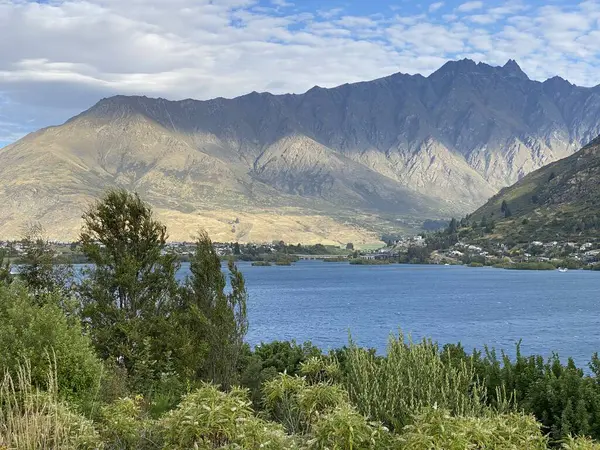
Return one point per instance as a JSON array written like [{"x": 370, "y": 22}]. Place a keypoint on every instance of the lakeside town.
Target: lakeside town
[{"x": 419, "y": 249}]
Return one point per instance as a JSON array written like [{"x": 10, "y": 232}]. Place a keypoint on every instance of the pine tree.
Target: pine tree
[{"x": 210, "y": 319}]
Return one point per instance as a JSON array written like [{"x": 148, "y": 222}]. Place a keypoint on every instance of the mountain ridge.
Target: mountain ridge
[{"x": 374, "y": 155}]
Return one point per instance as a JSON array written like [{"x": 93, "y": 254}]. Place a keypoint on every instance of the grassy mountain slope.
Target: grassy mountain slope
[{"x": 558, "y": 202}]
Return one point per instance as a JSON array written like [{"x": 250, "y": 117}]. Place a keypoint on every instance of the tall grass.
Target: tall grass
[
  {"x": 412, "y": 377},
  {"x": 31, "y": 419}
]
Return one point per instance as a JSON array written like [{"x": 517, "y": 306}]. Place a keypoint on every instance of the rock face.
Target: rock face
[{"x": 357, "y": 157}]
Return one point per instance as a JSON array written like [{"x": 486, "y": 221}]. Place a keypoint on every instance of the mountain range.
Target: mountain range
[{"x": 336, "y": 165}]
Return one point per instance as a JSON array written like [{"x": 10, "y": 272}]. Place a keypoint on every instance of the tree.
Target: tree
[
  {"x": 453, "y": 226},
  {"x": 129, "y": 290},
  {"x": 236, "y": 249},
  {"x": 505, "y": 209},
  {"x": 213, "y": 322},
  {"x": 40, "y": 332},
  {"x": 41, "y": 270},
  {"x": 5, "y": 275},
  {"x": 349, "y": 246}
]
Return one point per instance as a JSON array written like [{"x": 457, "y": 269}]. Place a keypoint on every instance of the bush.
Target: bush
[
  {"x": 412, "y": 376},
  {"x": 563, "y": 399},
  {"x": 320, "y": 369},
  {"x": 281, "y": 401},
  {"x": 297, "y": 404},
  {"x": 345, "y": 428},
  {"x": 254, "y": 433},
  {"x": 269, "y": 360},
  {"x": 42, "y": 335},
  {"x": 209, "y": 418},
  {"x": 583, "y": 443},
  {"x": 438, "y": 429},
  {"x": 125, "y": 425}
]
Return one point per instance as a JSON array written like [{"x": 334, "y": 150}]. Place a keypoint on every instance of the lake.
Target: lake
[{"x": 323, "y": 302}]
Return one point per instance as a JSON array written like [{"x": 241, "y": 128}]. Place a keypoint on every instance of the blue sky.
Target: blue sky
[{"x": 64, "y": 55}]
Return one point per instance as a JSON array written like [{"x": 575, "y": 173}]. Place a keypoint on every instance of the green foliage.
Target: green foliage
[
  {"x": 206, "y": 418},
  {"x": 211, "y": 319},
  {"x": 128, "y": 293},
  {"x": 125, "y": 425},
  {"x": 5, "y": 269},
  {"x": 281, "y": 401},
  {"x": 344, "y": 428},
  {"x": 437, "y": 429},
  {"x": 209, "y": 418},
  {"x": 369, "y": 262},
  {"x": 269, "y": 360},
  {"x": 261, "y": 264},
  {"x": 295, "y": 403},
  {"x": 254, "y": 434},
  {"x": 582, "y": 443},
  {"x": 413, "y": 376},
  {"x": 562, "y": 398},
  {"x": 40, "y": 269},
  {"x": 527, "y": 266},
  {"x": 44, "y": 335},
  {"x": 418, "y": 255},
  {"x": 321, "y": 370}
]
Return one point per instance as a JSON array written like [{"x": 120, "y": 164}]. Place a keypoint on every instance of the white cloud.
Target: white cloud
[
  {"x": 470, "y": 6},
  {"x": 282, "y": 3},
  {"x": 435, "y": 6},
  {"x": 64, "y": 55}
]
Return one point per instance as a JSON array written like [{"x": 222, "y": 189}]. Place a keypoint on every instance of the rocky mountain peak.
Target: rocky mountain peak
[
  {"x": 511, "y": 68},
  {"x": 452, "y": 68},
  {"x": 469, "y": 67}
]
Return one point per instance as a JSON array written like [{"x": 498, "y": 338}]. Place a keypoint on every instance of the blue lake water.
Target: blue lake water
[{"x": 322, "y": 302}]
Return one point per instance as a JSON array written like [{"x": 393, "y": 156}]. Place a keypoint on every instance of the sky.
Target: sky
[{"x": 59, "y": 57}]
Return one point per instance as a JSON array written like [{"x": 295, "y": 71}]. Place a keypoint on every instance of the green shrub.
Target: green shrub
[
  {"x": 319, "y": 369},
  {"x": 344, "y": 428},
  {"x": 561, "y": 396},
  {"x": 281, "y": 402},
  {"x": 125, "y": 425},
  {"x": 412, "y": 376},
  {"x": 437, "y": 429},
  {"x": 297, "y": 404},
  {"x": 42, "y": 334},
  {"x": 269, "y": 360},
  {"x": 319, "y": 398},
  {"x": 207, "y": 418},
  {"x": 254, "y": 434},
  {"x": 581, "y": 443}
]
